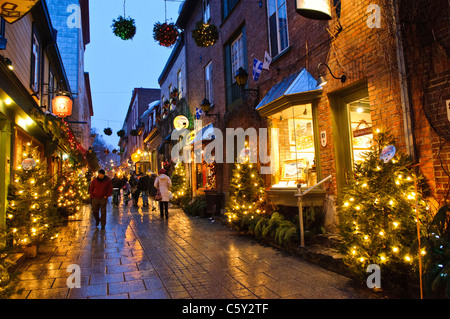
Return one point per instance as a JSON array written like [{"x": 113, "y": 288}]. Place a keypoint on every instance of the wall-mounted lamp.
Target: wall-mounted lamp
[
  {"x": 241, "y": 78},
  {"x": 321, "y": 82},
  {"x": 7, "y": 62},
  {"x": 314, "y": 9},
  {"x": 206, "y": 107}
]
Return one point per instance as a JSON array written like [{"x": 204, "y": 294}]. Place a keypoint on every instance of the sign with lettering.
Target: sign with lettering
[{"x": 13, "y": 10}]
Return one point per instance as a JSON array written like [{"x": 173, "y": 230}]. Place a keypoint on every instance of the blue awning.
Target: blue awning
[{"x": 298, "y": 82}]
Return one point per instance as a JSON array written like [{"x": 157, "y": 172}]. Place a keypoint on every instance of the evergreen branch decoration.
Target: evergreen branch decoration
[
  {"x": 166, "y": 34},
  {"x": 107, "y": 131},
  {"x": 124, "y": 28},
  {"x": 205, "y": 35}
]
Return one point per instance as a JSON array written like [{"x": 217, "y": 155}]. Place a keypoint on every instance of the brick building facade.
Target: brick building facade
[{"x": 363, "y": 41}]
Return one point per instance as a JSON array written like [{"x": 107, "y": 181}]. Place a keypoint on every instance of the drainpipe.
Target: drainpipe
[{"x": 408, "y": 115}]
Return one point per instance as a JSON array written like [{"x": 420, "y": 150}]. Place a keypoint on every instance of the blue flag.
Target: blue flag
[
  {"x": 257, "y": 68},
  {"x": 198, "y": 113}
]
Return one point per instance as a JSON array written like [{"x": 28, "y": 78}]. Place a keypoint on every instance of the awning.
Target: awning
[{"x": 298, "y": 87}]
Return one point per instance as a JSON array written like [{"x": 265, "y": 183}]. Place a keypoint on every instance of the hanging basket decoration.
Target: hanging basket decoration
[
  {"x": 121, "y": 133},
  {"x": 166, "y": 104},
  {"x": 205, "y": 35},
  {"x": 166, "y": 34},
  {"x": 106, "y": 151},
  {"x": 107, "y": 131},
  {"x": 134, "y": 133},
  {"x": 174, "y": 93},
  {"x": 124, "y": 28}
]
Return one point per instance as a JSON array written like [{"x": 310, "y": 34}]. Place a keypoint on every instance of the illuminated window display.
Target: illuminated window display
[{"x": 293, "y": 147}]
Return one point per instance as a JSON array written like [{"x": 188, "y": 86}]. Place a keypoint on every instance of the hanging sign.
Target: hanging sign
[
  {"x": 180, "y": 122},
  {"x": 362, "y": 131},
  {"x": 13, "y": 10},
  {"x": 387, "y": 153}
]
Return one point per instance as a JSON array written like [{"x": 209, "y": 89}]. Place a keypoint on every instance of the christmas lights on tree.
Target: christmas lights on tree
[
  {"x": 247, "y": 196},
  {"x": 180, "y": 186},
  {"x": 378, "y": 222},
  {"x": 31, "y": 213}
]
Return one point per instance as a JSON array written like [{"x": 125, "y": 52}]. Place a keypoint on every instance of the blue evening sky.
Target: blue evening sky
[{"x": 116, "y": 66}]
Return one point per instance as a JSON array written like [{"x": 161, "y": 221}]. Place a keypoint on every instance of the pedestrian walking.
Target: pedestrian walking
[
  {"x": 143, "y": 182},
  {"x": 117, "y": 184},
  {"x": 99, "y": 190},
  {"x": 126, "y": 192},
  {"x": 152, "y": 190},
  {"x": 134, "y": 189},
  {"x": 163, "y": 185}
]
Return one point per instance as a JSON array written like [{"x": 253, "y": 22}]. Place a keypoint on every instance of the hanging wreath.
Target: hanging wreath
[
  {"x": 205, "y": 35},
  {"x": 124, "y": 28},
  {"x": 107, "y": 131},
  {"x": 121, "y": 133},
  {"x": 166, "y": 34}
]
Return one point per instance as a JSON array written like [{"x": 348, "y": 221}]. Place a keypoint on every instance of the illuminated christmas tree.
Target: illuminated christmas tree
[
  {"x": 247, "y": 196},
  {"x": 378, "y": 221},
  {"x": 31, "y": 214},
  {"x": 72, "y": 191},
  {"x": 180, "y": 186}
]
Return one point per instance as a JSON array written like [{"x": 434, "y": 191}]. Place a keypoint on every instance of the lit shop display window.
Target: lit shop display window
[{"x": 293, "y": 149}]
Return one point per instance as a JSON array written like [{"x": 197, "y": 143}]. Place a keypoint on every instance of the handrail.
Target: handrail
[
  {"x": 300, "y": 206},
  {"x": 312, "y": 187}
]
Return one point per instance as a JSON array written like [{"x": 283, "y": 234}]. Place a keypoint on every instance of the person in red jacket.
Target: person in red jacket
[{"x": 99, "y": 191}]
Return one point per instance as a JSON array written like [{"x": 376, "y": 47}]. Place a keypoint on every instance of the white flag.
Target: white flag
[{"x": 267, "y": 61}]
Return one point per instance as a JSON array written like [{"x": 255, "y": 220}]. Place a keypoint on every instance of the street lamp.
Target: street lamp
[
  {"x": 322, "y": 82},
  {"x": 206, "y": 107}
]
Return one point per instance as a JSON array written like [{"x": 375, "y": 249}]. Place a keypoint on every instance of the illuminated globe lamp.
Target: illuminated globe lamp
[
  {"x": 62, "y": 106},
  {"x": 136, "y": 157},
  {"x": 181, "y": 122}
]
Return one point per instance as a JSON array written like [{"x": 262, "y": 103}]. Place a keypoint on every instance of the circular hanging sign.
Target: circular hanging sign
[
  {"x": 28, "y": 164},
  {"x": 387, "y": 153},
  {"x": 180, "y": 122}
]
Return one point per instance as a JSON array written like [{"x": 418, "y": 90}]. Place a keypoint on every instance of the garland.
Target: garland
[
  {"x": 205, "y": 35},
  {"x": 165, "y": 33},
  {"x": 124, "y": 28}
]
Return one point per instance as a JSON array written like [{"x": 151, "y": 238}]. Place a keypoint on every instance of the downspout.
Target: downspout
[{"x": 408, "y": 115}]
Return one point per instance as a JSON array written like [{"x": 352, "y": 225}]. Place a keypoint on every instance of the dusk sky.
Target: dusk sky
[{"x": 117, "y": 66}]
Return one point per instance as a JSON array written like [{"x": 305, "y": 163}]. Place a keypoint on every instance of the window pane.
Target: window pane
[
  {"x": 361, "y": 129},
  {"x": 292, "y": 147},
  {"x": 282, "y": 27}
]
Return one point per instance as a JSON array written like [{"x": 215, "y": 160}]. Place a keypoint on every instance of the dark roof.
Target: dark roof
[
  {"x": 145, "y": 97},
  {"x": 185, "y": 13}
]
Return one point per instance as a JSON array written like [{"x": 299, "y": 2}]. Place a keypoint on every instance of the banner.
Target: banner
[
  {"x": 13, "y": 10},
  {"x": 267, "y": 60}
]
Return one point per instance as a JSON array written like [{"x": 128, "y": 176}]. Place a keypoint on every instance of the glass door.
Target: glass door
[{"x": 360, "y": 125}]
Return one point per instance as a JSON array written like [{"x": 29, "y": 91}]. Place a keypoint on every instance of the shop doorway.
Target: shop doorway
[{"x": 352, "y": 130}]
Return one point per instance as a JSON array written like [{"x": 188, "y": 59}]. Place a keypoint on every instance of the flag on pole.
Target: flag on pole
[
  {"x": 267, "y": 60},
  {"x": 257, "y": 68}
]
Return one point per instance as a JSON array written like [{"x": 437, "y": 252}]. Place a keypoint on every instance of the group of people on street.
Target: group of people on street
[{"x": 152, "y": 187}]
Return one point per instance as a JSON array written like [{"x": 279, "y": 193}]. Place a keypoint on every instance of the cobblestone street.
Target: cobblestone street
[{"x": 141, "y": 256}]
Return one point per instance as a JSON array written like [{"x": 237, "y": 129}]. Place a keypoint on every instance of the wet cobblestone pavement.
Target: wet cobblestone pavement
[{"x": 141, "y": 256}]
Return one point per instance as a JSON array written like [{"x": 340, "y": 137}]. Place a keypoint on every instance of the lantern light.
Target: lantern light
[
  {"x": 314, "y": 9},
  {"x": 62, "y": 106}
]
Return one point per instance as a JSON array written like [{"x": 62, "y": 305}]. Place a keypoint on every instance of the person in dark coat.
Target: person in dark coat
[
  {"x": 143, "y": 188},
  {"x": 134, "y": 189},
  {"x": 117, "y": 184},
  {"x": 99, "y": 190}
]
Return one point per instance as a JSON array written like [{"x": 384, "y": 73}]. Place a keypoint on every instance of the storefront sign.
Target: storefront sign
[
  {"x": 62, "y": 106},
  {"x": 362, "y": 131},
  {"x": 13, "y": 10},
  {"x": 388, "y": 153}
]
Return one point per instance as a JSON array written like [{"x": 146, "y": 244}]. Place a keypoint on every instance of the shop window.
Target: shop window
[
  {"x": 35, "y": 63},
  {"x": 209, "y": 83},
  {"x": 293, "y": 149},
  {"x": 361, "y": 129}
]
